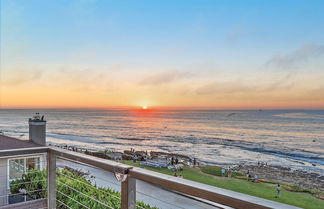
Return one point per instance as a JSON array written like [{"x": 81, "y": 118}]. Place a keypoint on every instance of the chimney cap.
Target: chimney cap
[{"x": 37, "y": 118}]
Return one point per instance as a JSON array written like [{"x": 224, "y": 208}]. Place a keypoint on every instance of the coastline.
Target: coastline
[
  {"x": 270, "y": 173},
  {"x": 284, "y": 175}
]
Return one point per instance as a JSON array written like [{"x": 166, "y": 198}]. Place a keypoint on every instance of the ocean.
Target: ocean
[{"x": 292, "y": 138}]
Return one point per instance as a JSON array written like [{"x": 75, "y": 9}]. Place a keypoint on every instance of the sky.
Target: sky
[{"x": 222, "y": 54}]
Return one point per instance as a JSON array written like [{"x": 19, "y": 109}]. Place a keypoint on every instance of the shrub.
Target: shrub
[
  {"x": 34, "y": 180},
  {"x": 74, "y": 190}
]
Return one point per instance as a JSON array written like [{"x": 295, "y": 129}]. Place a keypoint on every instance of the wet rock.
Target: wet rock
[
  {"x": 128, "y": 152},
  {"x": 140, "y": 153},
  {"x": 285, "y": 175},
  {"x": 127, "y": 157},
  {"x": 114, "y": 155}
]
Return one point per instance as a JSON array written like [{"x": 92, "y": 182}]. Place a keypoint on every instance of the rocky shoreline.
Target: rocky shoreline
[{"x": 284, "y": 175}]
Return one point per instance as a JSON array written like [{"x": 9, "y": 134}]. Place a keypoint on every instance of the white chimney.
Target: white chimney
[{"x": 37, "y": 130}]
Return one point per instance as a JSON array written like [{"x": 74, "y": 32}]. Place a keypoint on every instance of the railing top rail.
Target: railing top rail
[
  {"x": 105, "y": 164},
  {"x": 211, "y": 193},
  {"x": 23, "y": 151}
]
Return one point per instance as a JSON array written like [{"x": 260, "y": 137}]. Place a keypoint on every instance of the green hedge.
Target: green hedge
[
  {"x": 70, "y": 185},
  {"x": 34, "y": 180}
]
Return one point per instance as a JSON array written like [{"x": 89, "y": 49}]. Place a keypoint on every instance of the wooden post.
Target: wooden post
[
  {"x": 51, "y": 180},
  {"x": 128, "y": 193}
]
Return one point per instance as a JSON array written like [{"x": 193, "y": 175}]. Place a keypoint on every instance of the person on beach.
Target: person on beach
[
  {"x": 255, "y": 179},
  {"x": 223, "y": 172},
  {"x": 278, "y": 189},
  {"x": 229, "y": 173},
  {"x": 134, "y": 159}
]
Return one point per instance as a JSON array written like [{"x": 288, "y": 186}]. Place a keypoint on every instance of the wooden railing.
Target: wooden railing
[{"x": 131, "y": 174}]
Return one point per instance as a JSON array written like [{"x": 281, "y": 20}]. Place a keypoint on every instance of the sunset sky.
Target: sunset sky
[{"x": 178, "y": 53}]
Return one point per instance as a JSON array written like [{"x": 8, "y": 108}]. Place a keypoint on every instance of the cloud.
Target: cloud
[
  {"x": 296, "y": 57},
  {"x": 20, "y": 77},
  {"x": 164, "y": 77},
  {"x": 224, "y": 87},
  {"x": 243, "y": 86},
  {"x": 284, "y": 81}
]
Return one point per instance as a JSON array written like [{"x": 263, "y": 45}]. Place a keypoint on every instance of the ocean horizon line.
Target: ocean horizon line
[{"x": 160, "y": 108}]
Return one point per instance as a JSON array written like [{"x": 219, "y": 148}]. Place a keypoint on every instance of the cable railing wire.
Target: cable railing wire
[
  {"x": 85, "y": 195},
  {"x": 105, "y": 180},
  {"x": 25, "y": 193},
  {"x": 22, "y": 193},
  {"x": 31, "y": 200},
  {"x": 138, "y": 206},
  {"x": 28, "y": 182},
  {"x": 87, "y": 165},
  {"x": 73, "y": 199},
  {"x": 19, "y": 177},
  {"x": 90, "y": 186},
  {"x": 63, "y": 204}
]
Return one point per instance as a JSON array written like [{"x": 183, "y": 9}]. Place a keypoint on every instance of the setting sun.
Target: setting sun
[{"x": 144, "y": 107}]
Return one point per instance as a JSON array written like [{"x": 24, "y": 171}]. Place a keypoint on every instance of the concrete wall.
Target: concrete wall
[
  {"x": 3, "y": 181},
  {"x": 37, "y": 132}
]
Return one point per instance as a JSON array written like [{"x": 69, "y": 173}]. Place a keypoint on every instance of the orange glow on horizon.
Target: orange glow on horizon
[{"x": 29, "y": 95}]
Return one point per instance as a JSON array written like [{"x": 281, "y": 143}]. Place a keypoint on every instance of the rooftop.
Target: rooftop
[{"x": 7, "y": 143}]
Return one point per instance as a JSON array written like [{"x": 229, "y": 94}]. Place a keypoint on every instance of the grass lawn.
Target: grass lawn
[{"x": 263, "y": 190}]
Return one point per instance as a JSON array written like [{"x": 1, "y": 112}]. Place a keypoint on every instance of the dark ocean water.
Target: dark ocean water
[{"x": 292, "y": 138}]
